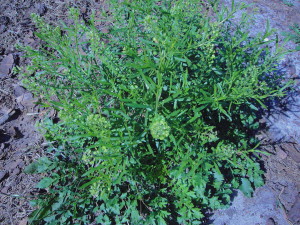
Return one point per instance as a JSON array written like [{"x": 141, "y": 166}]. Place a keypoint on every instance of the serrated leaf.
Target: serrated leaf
[
  {"x": 161, "y": 221},
  {"x": 39, "y": 166},
  {"x": 31, "y": 168},
  {"x": 49, "y": 218},
  {"x": 45, "y": 182},
  {"x": 246, "y": 187},
  {"x": 58, "y": 204},
  {"x": 43, "y": 164},
  {"x": 258, "y": 181}
]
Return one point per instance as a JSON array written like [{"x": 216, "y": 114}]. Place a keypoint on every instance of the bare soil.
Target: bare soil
[{"x": 21, "y": 143}]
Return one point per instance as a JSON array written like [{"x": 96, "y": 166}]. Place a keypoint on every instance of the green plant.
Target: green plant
[
  {"x": 156, "y": 116},
  {"x": 294, "y": 35},
  {"x": 288, "y": 3}
]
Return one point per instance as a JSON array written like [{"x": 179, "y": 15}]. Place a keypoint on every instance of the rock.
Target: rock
[
  {"x": 17, "y": 133},
  {"x": 83, "y": 10},
  {"x": 270, "y": 221},
  {"x": 251, "y": 211},
  {"x": 3, "y": 175},
  {"x": 15, "y": 172},
  {"x": 295, "y": 156},
  {"x": 3, "y": 28},
  {"x": 2, "y": 50},
  {"x": 18, "y": 91},
  {"x": 289, "y": 196},
  {"x": 6, "y": 65},
  {"x": 3, "y": 151},
  {"x": 105, "y": 30},
  {"x": 16, "y": 164},
  {"x": 23, "y": 221},
  {"x": 21, "y": 164},
  {"x": 292, "y": 71},
  {"x": 3, "y": 118},
  {"x": 6, "y": 114},
  {"x": 29, "y": 41},
  {"x": 293, "y": 214},
  {"x": 25, "y": 100},
  {"x": 281, "y": 154},
  {"x": 4, "y": 190},
  {"x": 4, "y": 137},
  {"x": 4, "y": 21},
  {"x": 41, "y": 9},
  {"x": 293, "y": 152}
]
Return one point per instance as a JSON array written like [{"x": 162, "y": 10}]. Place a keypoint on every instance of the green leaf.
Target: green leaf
[
  {"x": 49, "y": 218},
  {"x": 40, "y": 166},
  {"x": 135, "y": 105},
  {"x": 246, "y": 187},
  {"x": 31, "y": 168},
  {"x": 258, "y": 181},
  {"x": 161, "y": 220},
  {"x": 58, "y": 204},
  {"x": 45, "y": 182}
]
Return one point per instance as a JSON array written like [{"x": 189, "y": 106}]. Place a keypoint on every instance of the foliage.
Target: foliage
[
  {"x": 289, "y": 3},
  {"x": 156, "y": 116},
  {"x": 294, "y": 35}
]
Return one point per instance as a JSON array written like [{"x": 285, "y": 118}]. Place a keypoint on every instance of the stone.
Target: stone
[
  {"x": 14, "y": 164},
  {"x": 4, "y": 21},
  {"x": 26, "y": 100},
  {"x": 83, "y": 10},
  {"x": 18, "y": 91},
  {"x": 4, "y": 190},
  {"x": 281, "y": 154},
  {"x": 3, "y": 28},
  {"x": 6, "y": 65},
  {"x": 3, "y": 151},
  {"x": 251, "y": 211},
  {"x": 2, "y": 50},
  {"x": 41, "y": 9},
  {"x": 105, "y": 30},
  {"x": 289, "y": 195},
  {"x": 4, "y": 137},
  {"x": 30, "y": 41},
  {"x": 17, "y": 133},
  {"x": 3, "y": 118},
  {"x": 270, "y": 221},
  {"x": 15, "y": 172},
  {"x": 292, "y": 71},
  {"x": 3, "y": 175},
  {"x": 23, "y": 221},
  {"x": 293, "y": 214},
  {"x": 21, "y": 164},
  {"x": 294, "y": 154}
]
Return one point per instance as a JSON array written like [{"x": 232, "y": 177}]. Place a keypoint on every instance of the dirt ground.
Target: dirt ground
[{"x": 21, "y": 143}]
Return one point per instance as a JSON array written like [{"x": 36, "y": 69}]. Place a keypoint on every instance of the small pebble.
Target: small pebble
[
  {"x": 3, "y": 175},
  {"x": 4, "y": 21},
  {"x": 6, "y": 65},
  {"x": 270, "y": 221},
  {"x": 18, "y": 91},
  {"x": 41, "y": 9}
]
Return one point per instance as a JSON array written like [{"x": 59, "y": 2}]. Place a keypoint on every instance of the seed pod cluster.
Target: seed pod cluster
[{"x": 159, "y": 128}]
